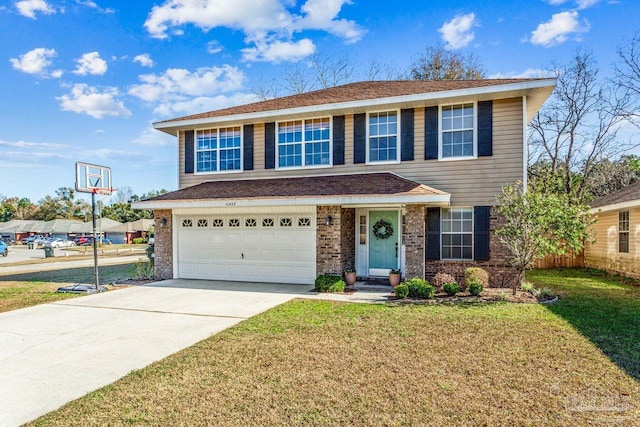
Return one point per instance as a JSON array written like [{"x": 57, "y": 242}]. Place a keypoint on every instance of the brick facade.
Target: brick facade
[
  {"x": 348, "y": 237},
  {"x": 335, "y": 243},
  {"x": 163, "y": 244},
  {"x": 501, "y": 273},
  {"x": 414, "y": 234}
]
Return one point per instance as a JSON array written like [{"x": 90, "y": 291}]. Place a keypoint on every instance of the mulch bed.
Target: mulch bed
[{"x": 487, "y": 295}]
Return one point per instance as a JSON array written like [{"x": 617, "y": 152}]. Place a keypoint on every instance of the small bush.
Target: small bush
[
  {"x": 137, "y": 240},
  {"x": 402, "y": 290},
  {"x": 419, "y": 288},
  {"x": 337, "y": 286},
  {"x": 504, "y": 296},
  {"x": 143, "y": 270},
  {"x": 526, "y": 286},
  {"x": 475, "y": 288},
  {"x": 451, "y": 288},
  {"x": 325, "y": 281},
  {"x": 442, "y": 278},
  {"x": 475, "y": 274},
  {"x": 545, "y": 293}
]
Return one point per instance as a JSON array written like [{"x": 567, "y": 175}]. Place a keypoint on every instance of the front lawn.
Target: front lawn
[{"x": 318, "y": 362}]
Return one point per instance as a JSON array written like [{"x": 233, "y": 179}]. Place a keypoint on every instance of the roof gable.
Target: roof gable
[{"x": 629, "y": 193}]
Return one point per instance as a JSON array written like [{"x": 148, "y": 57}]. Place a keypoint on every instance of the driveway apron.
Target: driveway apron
[{"x": 54, "y": 353}]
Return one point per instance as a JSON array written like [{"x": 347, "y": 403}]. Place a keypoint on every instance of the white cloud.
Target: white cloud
[
  {"x": 558, "y": 29},
  {"x": 144, "y": 59},
  {"x": 556, "y": 2},
  {"x": 90, "y": 63},
  {"x": 264, "y": 22},
  {"x": 529, "y": 73},
  {"x": 33, "y": 145},
  {"x": 214, "y": 47},
  {"x": 85, "y": 99},
  {"x": 36, "y": 61},
  {"x": 150, "y": 137},
  {"x": 203, "y": 103},
  {"x": 29, "y": 8},
  {"x": 177, "y": 84},
  {"x": 583, "y": 4},
  {"x": 278, "y": 51},
  {"x": 458, "y": 32},
  {"x": 93, "y": 5}
]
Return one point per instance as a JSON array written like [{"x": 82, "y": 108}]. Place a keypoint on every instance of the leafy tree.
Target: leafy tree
[
  {"x": 63, "y": 206},
  {"x": 538, "y": 224},
  {"x": 439, "y": 63},
  {"x": 121, "y": 209}
]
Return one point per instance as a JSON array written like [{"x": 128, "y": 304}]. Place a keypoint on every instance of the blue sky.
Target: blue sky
[{"x": 83, "y": 80}]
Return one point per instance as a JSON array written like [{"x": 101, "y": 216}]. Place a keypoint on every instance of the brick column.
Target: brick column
[
  {"x": 348, "y": 238},
  {"x": 414, "y": 241},
  {"x": 329, "y": 241},
  {"x": 163, "y": 246}
]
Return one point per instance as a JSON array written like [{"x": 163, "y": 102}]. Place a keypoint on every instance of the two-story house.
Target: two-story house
[{"x": 374, "y": 175}]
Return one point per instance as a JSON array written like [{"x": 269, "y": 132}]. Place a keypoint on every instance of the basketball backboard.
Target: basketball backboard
[{"x": 93, "y": 178}]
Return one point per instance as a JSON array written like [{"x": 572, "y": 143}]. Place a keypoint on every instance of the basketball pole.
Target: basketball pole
[{"x": 95, "y": 240}]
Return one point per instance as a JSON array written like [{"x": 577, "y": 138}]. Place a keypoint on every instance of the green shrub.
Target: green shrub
[
  {"x": 441, "y": 278},
  {"x": 545, "y": 293},
  {"x": 138, "y": 240},
  {"x": 451, "y": 288},
  {"x": 475, "y": 288},
  {"x": 325, "y": 281},
  {"x": 419, "y": 288},
  {"x": 143, "y": 270},
  {"x": 475, "y": 274},
  {"x": 402, "y": 290},
  {"x": 526, "y": 286},
  {"x": 337, "y": 286}
]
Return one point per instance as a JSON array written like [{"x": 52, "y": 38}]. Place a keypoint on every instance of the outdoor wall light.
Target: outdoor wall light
[
  {"x": 163, "y": 221},
  {"x": 327, "y": 220}
]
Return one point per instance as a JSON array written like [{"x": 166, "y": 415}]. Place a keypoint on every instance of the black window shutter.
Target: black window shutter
[
  {"x": 433, "y": 233},
  {"x": 270, "y": 145},
  {"x": 406, "y": 137},
  {"x": 359, "y": 138},
  {"x": 338, "y": 140},
  {"x": 188, "y": 151},
  {"x": 485, "y": 128},
  {"x": 481, "y": 220},
  {"x": 248, "y": 147},
  {"x": 431, "y": 133}
]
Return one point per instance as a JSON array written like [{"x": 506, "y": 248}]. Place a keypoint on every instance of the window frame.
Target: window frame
[
  {"x": 303, "y": 143},
  {"x": 626, "y": 232},
  {"x": 441, "y": 132},
  {"x": 472, "y": 233},
  {"x": 218, "y": 150},
  {"x": 368, "y": 160}
]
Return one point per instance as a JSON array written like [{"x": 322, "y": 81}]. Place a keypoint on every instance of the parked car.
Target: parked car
[
  {"x": 83, "y": 240},
  {"x": 8, "y": 239},
  {"x": 58, "y": 242},
  {"x": 3, "y": 248},
  {"x": 106, "y": 241},
  {"x": 31, "y": 239}
]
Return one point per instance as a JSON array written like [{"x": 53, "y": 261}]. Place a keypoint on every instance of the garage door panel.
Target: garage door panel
[{"x": 271, "y": 253}]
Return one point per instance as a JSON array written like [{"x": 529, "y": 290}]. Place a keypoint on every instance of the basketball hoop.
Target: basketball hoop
[{"x": 104, "y": 191}]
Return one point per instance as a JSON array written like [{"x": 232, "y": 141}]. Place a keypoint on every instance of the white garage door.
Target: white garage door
[{"x": 278, "y": 248}]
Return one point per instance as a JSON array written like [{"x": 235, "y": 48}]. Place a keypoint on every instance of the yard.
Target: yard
[{"x": 315, "y": 362}]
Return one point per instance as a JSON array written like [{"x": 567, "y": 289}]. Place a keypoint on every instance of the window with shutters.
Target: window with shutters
[
  {"x": 303, "y": 143},
  {"x": 383, "y": 139},
  {"x": 218, "y": 150},
  {"x": 456, "y": 230},
  {"x": 458, "y": 131}
]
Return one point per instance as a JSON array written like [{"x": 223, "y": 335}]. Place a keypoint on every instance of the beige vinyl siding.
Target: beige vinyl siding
[
  {"x": 470, "y": 182},
  {"x": 604, "y": 255}
]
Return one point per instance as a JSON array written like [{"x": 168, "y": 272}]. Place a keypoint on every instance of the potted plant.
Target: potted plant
[
  {"x": 349, "y": 274},
  {"x": 395, "y": 275}
]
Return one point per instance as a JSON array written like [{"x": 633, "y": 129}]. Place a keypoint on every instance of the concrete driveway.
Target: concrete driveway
[{"x": 53, "y": 353}]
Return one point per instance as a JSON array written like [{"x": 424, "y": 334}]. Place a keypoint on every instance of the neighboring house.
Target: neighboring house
[
  {"x": 64, "y": 228},
  {"x": 376, "y": 175},
  {"x": 125, "y": 233},
  {"x": 617, "y": 245}
]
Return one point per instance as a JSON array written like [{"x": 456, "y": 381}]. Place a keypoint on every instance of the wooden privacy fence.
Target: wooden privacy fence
[{"x": 570, "y": 260}]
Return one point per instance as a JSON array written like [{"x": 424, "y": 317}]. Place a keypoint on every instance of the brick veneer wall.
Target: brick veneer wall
[
  {"x": 335, "y": 243},
  {"x": 414, "y": 241},
  {"x": 348, "y": 238},
  {"x": 501, "y": 273},
  {"x": 163, "y": 246}
]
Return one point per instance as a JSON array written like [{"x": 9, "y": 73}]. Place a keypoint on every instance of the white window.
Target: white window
[
  {"x": 623, "y": 232},
  {"x": 383, "y": 137},
  {"x": 218, "y": 150},
  {"x": 458, "y": 131},
  {"x": 304, "y": 143},
  {"x": 456, "y": 225}
]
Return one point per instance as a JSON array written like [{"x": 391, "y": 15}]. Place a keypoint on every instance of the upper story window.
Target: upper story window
[
  {"x": 304, "y": 143},
  {"x": 458, "y": 131},
  {"x": 623, "y": 232},
  {"x": 383, "y": 136},
  {"x": 218, "y": 150},
  {"x": 457, "y": 233}
]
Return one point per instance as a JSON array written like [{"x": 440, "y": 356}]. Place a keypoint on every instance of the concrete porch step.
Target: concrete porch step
[{"x": 379, "y": 285}]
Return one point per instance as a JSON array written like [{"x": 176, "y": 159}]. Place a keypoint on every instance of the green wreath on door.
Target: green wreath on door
[{"x": 382, "y": 229}]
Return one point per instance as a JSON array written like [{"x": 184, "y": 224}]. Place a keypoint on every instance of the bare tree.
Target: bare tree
[
  {"x": 627, "y": 71},
  {"x": 578, "y": 126},
  {"x": 332, "y": 69},
  {"x": 382, "y": 71},
  {"x": 298, "y": 79},
  {"x": 266, "y": 89},
  {"x": 438, "y": 63}
]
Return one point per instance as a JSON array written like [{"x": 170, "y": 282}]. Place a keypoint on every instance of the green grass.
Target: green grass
[
  {"x": 28, "y": 289},
  {"x": 603, "y": 308},
  {"x": 318, "y": 362}
]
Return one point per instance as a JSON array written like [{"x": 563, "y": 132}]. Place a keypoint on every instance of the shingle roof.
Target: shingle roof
[
  {"x": 375, "y": 184},
  {"x": 353, "y": 92},
  {"x": 626, "y": 194}
]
